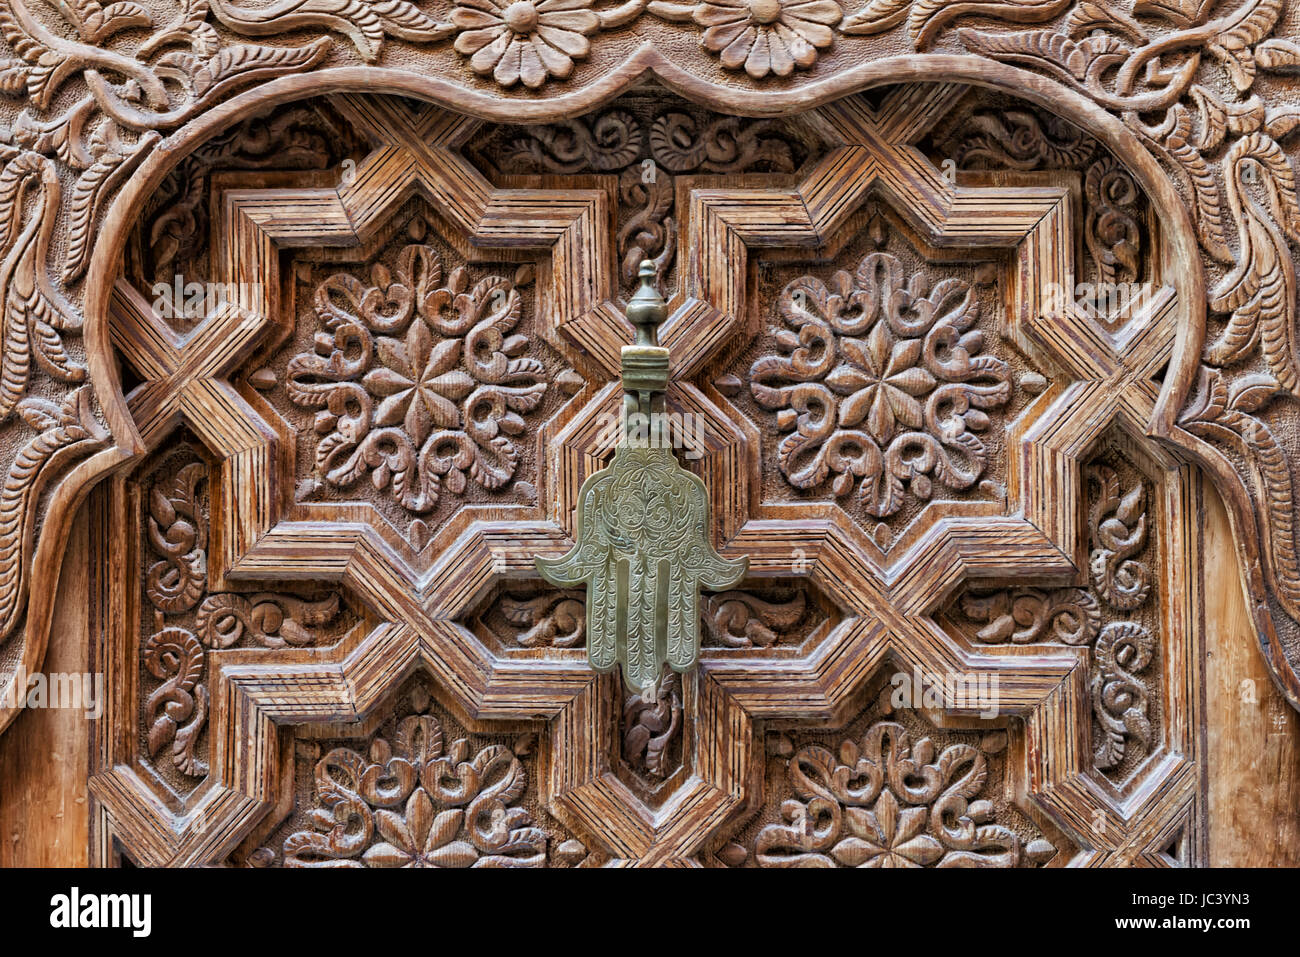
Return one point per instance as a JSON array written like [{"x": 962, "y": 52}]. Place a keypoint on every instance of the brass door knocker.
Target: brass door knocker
[{"x": 643, "y": 548}]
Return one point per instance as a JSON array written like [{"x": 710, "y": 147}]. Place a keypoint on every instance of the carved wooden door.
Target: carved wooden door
[
  {"x": 352, "y": 349},
  {"x": 964, "y": 637}
]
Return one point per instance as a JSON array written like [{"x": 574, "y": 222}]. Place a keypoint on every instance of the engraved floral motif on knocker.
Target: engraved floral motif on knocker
[
  {"x": 418, "y": 384},
  {"x": 887, "y": 801},
  {"x": 647, "y": 512},
  {"x": 416, "y": 802},
  {"x": 883, "y": 381}
]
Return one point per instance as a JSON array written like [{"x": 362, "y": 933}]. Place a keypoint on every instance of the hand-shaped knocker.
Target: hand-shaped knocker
[{"x": 643, "y": 547}]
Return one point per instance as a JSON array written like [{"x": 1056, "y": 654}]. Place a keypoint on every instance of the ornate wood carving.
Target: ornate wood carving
[
  {"x": 426, "y": 220},
  {"x": 882, "y": 794},
  {"x": 355, "y": 457}
]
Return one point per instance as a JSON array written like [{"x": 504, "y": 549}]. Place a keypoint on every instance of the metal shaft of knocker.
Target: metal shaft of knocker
[{"x": 642, "y": 527}]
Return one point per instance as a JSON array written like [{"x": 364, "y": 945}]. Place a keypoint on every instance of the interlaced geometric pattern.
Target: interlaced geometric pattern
[{"x": 339, "y": 647}]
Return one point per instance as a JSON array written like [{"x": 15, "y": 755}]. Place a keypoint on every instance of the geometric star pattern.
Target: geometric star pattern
[{"x": 415, "y": 601}]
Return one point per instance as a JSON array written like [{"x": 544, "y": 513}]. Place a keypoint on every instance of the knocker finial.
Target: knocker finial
[
  {"x": 643, "y": 548},
  {"x": 647, "y": 310}
]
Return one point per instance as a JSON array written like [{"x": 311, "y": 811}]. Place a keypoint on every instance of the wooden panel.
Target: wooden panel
[
  {"x": 353, "y": 463},
  {"x": 44, "y": 804},
  {"x": 1254, "y": 737},
  {"x": 308, "y": 563}
]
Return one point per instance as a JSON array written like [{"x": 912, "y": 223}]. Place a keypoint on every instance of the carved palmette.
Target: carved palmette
[{"x": 643, "y": 548}]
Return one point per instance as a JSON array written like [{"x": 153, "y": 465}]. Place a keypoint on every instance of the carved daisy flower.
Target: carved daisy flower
[
  {"x": 526, "y": 40},
  {"x": 767, "y": 36}
]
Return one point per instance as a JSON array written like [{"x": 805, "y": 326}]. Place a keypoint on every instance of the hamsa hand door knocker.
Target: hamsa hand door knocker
[{"x": 643, "y": 548}]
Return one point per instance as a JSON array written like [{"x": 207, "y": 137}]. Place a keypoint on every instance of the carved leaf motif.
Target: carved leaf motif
[
  {"x": 429, "y": 806},
  {"x": 886, "y": 802},
  {"x": 273, "y": 621},
  {"x": 1071, "y": 616},
  {"x": 876, "y": 17},
  {"x": 1278, "y": 56},
  {"x": 1218, "y": 118},
  {"x": 178, "y": 536},
  {"x": 63, "y": 136},
  {"x": 113, "y": 162},
  {"x": 651, "y": 724},
  {"x": 1260, "y": 292},
  {"x": 1089, "y": 15},
  {"x": 929, "y": 16},
  {"x": 738, "y": 619},
  {"x": 1112, "y": 233},
  {"x": 1281, "y": 122},
  {"x": 1119, "y": 696},
  {"x": 62, "y": 429},
  {"x": 437, "y": 406},
  {"x": 1176, "y": 141},
  {"x": 49, "y": 63},
  {"x": 33, "y": 315},
  {"x": 1252, "y": 393},
  {"x": 205, "y": 76},
  {"x": 607, "y": 142},
  {"x": 862, "y": 381},
  {"x": 1210, "y": 415},
  {"x": 1079, "y": 61},
  {"x": 1020, "y": 139},
  {"x": 178, "y": 709},
  {"x": 1180, "y": 12},
  {"x": 364, "y": 22},
  {"x": 1233, "y": 43},
  {"x": 1117, "y": 520},
  {"x": 554, "y": 620},
  {"x": 13, "y": 77},
  {"x": 95, "y": 23}
]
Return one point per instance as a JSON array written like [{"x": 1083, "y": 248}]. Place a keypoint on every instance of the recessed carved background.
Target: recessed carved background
[
  {"x": 1114, "y": 614},
  {"x": 183, "y": 618},
  {"x": 648, "y": 141},
  {"x": 415, "y": 789},
  {"x": 889, "y": 790}
]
